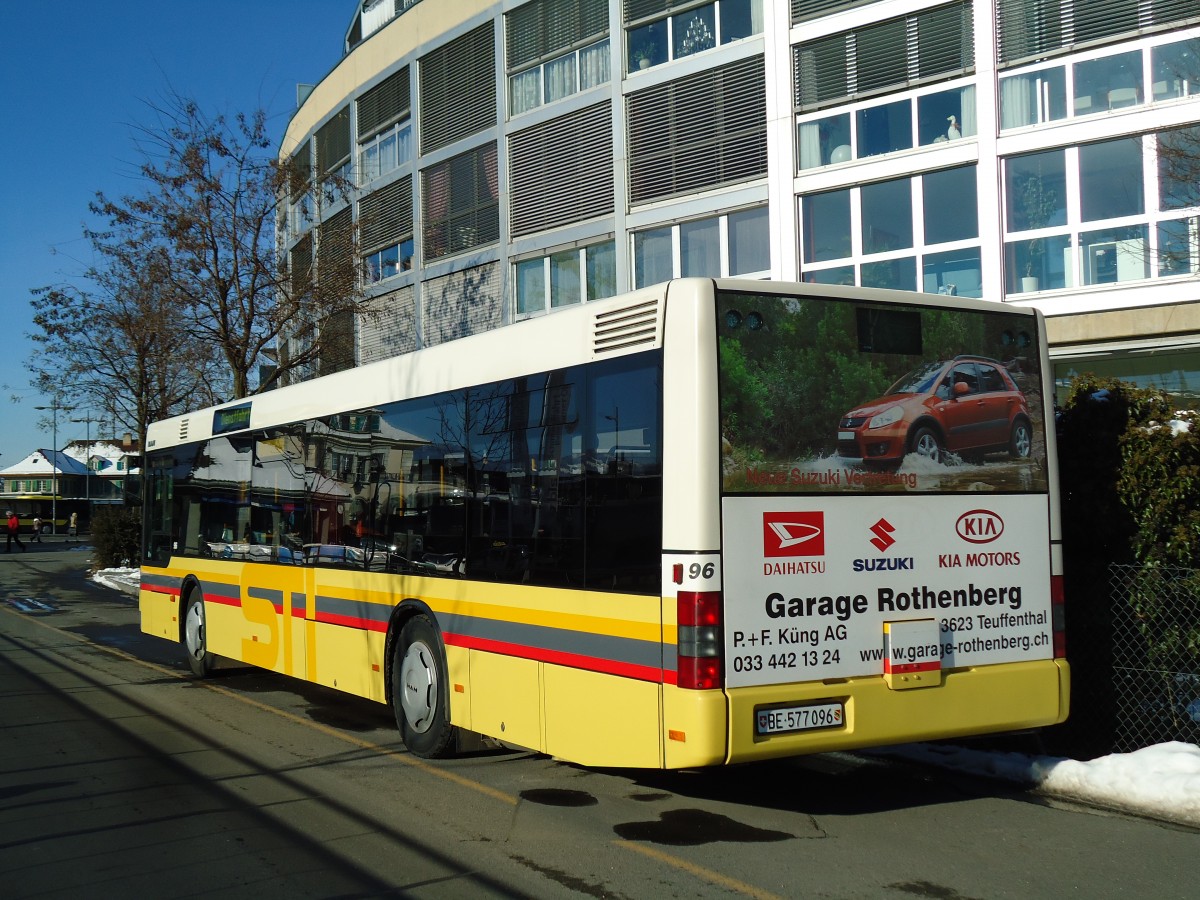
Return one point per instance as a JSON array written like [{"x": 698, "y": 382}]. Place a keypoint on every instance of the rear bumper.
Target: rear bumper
[{"x": 982, "y": 700}]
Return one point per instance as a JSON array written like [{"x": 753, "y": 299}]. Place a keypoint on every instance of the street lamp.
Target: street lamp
[{"x": 54, "y": 408}]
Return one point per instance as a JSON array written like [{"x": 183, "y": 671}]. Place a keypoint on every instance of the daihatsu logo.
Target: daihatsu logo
[
  {"x": 794, "y": 534},
  {"x": 979, "y": 526}
]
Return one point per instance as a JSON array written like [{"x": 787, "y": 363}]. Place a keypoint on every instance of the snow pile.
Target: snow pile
[
  {"x": 126, "y": 581},
  {"x": 1162, "y": 781}
]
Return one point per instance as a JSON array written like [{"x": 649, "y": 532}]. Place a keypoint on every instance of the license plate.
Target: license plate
[{"x": 799, "y": 718}]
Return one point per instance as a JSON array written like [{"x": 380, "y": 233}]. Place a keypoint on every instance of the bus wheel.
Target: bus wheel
[
  {"x": 925, "y": 443},
  {"x": 194, "y": 637},
  {"x": 420, "y": 695}
]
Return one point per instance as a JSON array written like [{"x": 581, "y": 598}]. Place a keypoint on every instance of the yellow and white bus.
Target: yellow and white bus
[{"x": 699, "y": 524}]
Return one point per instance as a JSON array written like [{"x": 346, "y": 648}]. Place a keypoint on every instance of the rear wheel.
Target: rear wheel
[
  {"x": 1020, "y": 445},
  {"x": 420, "y": 694},
  {"x": 195, "y": 640},
  {"x": 925, "y": 443}
]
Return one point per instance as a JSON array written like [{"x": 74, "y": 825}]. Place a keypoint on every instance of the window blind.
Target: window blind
[
  {"x": 385, "y": 217},
  {"x": 458, "y": 89},
  {"x": 698, "y": 132},
  {"x": 562, "y": 171},
  {"x": 333, "y": 142},
  {"x": 932, "y": 44},
  {"x": 384, "y": 104}
]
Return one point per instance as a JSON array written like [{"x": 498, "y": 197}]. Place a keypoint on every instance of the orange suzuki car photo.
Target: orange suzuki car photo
[{"x": 966, "y": 406}]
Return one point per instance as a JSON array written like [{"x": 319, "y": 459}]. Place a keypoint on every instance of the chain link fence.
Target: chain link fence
[{"x": 1155, "y": 655}]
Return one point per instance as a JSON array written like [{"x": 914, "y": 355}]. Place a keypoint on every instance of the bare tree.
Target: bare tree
[
  {"x": 118, "y": 345},
  {"x": 213, "y": 191}
]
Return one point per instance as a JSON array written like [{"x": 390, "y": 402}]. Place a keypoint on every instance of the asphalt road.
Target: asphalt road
[{"x": 120, "y": 775}]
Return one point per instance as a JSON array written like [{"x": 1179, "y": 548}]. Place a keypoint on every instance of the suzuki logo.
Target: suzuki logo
[
  {"x": 883, "y": 535},
  {"x": 794, "y": 534},
  {"x": 979, "y": 526}
]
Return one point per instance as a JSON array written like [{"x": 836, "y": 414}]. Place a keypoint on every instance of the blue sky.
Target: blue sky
[{"x": 75, "y": 76}]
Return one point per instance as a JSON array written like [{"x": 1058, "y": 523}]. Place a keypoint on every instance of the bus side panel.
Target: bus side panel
[
  {"x": 458, "y": 671},
  {"x": 693, "y": 728},
  {"x": 1007, "y": 697},
  {"x": 351, "y": 660},
  {"x": 159, "y": 608},
  {"x": 601, "y": 720},
  {"x": 506, "y": 698}
]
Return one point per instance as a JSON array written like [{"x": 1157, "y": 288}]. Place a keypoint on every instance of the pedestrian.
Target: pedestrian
[
  {"x": 37, "y": 530},
  {"x": 14, "y": 533},
  {"x": 73, "y": 527}
]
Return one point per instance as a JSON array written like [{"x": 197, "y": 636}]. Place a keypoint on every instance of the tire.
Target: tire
[
  {"x": 925, "y": 442},
  {"x": 1020, "y": 444},
  {"x": 420, "y": 692},
  {"x": 195, "y": 639}
]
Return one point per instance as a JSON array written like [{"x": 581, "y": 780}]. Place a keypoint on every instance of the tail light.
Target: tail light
[
  {"x": 699, "y": 664},
  {"x": 1058, "y": 616}
]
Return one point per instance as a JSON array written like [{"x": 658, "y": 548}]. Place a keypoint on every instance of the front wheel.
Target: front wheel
[
  {"x": 925, "y": 443},
  {"x": 195, "y": 640},
  {"x": 1020, "y": 445},
  {"x": 420, "y": 694}
]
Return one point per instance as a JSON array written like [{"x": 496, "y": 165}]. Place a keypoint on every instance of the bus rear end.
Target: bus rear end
[{"x": 890, "y": 564}]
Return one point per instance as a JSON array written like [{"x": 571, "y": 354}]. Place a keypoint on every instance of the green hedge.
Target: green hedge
[{"x": 117, "y": 537}]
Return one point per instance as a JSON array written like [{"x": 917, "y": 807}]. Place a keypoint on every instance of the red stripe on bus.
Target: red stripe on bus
[
  {"x": 574, "y": 660},
  {"x": 161, "y": 589},
  {"x": 897, "y": 668},
  {"x": 222, "y": 599}
]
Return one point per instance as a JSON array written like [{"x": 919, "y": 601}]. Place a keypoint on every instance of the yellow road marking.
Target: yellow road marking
[
  {"x": 404, "y": 757},
  {"x": 700, "y": 872}
]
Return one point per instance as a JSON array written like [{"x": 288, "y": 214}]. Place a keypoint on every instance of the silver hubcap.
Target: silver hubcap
[
  {"x": 418, "y": 679},
  {"x": 1022, "y": 441},
  {"x": 927, "y": 446},
  {"x": 193, "y": 630}
]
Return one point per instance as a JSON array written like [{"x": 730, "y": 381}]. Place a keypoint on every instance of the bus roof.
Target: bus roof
[{"x": 599, "y": 329}]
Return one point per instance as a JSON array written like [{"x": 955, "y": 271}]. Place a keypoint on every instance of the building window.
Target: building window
[
  {"x": 385, "y": 222},
  {"x": 685, "y": 32},
  {"x": 561, "y": 170},
  {"x": 734, "y": 244},
  {"x": 460, "y": 203},
  {"x": 385, "y": 152},
  {"x": 916, "y": 233},
  {"x": 1100, "y": 83},
  {"x": 388, "y": 262},
  {"x": 555, "y": 48},
  {"x": 384, "y": 129},
  {"x": 565, "y": 278},
  {"x": 1084, "y": 215},
  {"x": 1037, "y": 28},
  {"x": 931, "y": 45},
  {"x": 458, "y": 89},
  {"x": 698, "y": 132},
  {"x": 333, "y": 150}
]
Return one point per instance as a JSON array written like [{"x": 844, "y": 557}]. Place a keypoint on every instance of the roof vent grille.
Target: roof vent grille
[{"x": 619, "y": 329}]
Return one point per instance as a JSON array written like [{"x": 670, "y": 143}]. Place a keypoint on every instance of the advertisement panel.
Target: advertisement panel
[
  {"x": 824, "y": 587},
  {"x": 824, "y": 395}
]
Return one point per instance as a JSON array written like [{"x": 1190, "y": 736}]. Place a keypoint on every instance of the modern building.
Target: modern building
[{"x": 511, "y": 158}]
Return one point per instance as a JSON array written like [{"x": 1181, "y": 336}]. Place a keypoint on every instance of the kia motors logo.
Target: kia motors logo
[
  {"x": 883, "y": 535},
  {"x": 794, "y": 534},
  {"x": 979, "y": 526}
]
